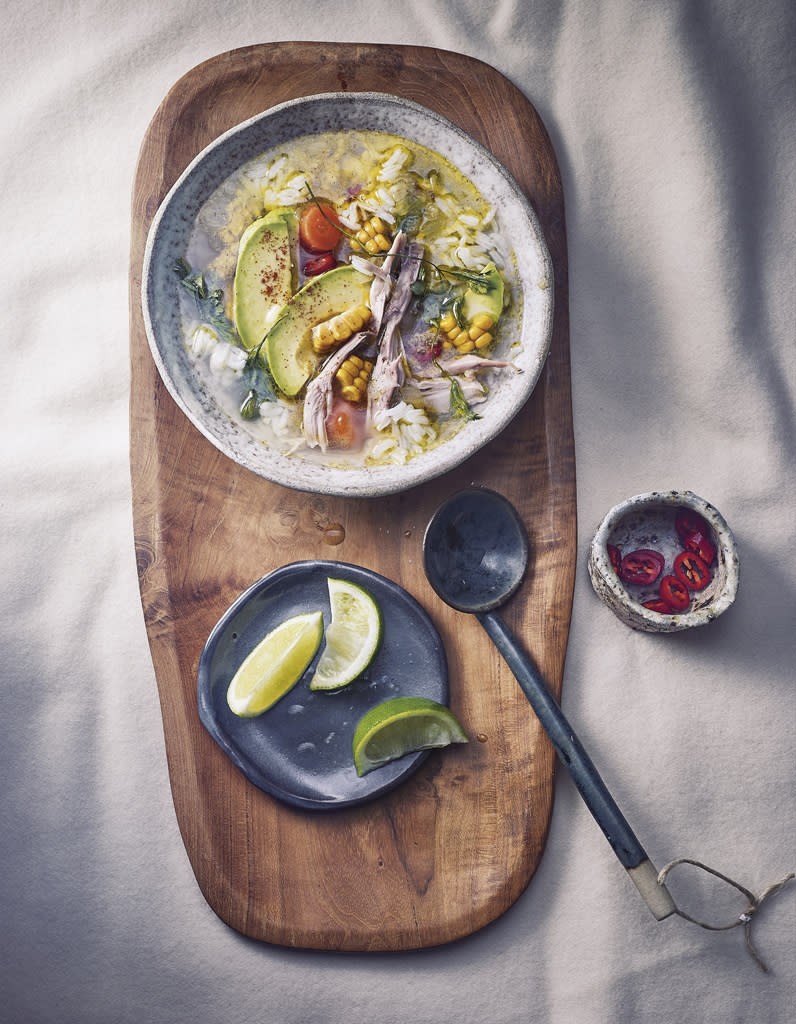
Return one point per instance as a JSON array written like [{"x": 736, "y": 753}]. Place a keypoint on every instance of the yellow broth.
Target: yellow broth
[{"x": 360, "y": 174}]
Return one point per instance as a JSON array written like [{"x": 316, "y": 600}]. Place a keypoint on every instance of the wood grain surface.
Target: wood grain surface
[{"x": 453, "y": 847}]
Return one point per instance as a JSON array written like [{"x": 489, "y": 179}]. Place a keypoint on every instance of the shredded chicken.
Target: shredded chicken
[
  {"x": 320, "y": 391},
  {"x": 388, "y": 373},
  {"x": 319, "y": 396},
  {"x": 435, "y": 393},
  {"x": 382, "y": 287},
  {"x": 464, "y": 364},
  {"x": 389, "y": 299},
  {"x": 366, "y": 267}
]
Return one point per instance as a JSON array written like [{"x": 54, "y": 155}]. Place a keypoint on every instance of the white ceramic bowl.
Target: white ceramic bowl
[
  {"x": 647, "y": 521},
  {"x": 171, "y": 229}
]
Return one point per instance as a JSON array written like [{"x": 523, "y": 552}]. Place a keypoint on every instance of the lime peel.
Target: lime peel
[
  {"x": 275, "y": 665},
  {"x": 403, "y": 725},
  {"x": 353, "y": 636}
]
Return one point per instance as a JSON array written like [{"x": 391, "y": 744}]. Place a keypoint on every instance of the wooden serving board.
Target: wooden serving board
[{"x": 454, "y": 846}]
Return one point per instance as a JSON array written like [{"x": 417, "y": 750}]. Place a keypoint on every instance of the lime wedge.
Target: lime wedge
[
  {"x": 401, "y": 726},
  {"x": 352, "y": 637},
  {"x": 275, "y": 665}
]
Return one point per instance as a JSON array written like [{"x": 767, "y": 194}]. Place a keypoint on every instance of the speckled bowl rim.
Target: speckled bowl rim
[
  {"x": 609, "y": 587},
  {"x": 367, "y": 111}
]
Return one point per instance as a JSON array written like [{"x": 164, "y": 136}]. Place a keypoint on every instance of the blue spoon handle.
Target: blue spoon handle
[{"x": 585, "y": 776}]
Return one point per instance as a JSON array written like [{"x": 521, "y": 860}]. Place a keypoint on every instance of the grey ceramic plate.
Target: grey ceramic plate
[
  {"x": 168, "y": 242},
  {"x": 300, "y": 749}
]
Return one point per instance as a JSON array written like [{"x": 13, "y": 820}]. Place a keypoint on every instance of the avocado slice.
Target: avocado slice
[
  {"x": 488, "y": 298},
  {"x": 263, "y": 275},
  {"x": 288, "y": 346}
]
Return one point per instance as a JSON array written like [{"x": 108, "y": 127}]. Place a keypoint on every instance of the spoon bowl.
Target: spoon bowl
[
  {"x": 471, "y": 568},
  {"x": 475, "y": 555}
]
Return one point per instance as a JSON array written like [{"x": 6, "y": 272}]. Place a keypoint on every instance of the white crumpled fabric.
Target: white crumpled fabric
[{"x": 674, "y": 128}]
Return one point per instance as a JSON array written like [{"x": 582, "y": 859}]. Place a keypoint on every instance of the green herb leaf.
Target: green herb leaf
[
  {"x": 413, "y": 218},
  {"x": 458, "y": 403},
  {"x": 257, "y": 379},
  {"x": 250, "y": 407},
  {"x": 419, "y": 286},
  {"x": 477, "y": 281},
  {"x": 209, "y": 304},
  {"x": 459, "y": 406}
]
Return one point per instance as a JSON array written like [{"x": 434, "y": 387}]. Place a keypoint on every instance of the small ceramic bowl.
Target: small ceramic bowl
[{"x": 648, "y": 521}]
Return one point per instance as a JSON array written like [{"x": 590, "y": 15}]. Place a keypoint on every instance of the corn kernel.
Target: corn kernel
[
  {"x": 322, "y": 340},
  {"x": 468, "y": 346},
  {"x": 372, "y": 237},
  {"x": 353, "y": 375},
  {"x": 483, "y": 320},
  {"x": 352, "y": 319},
  {"x": 484, "y": 341},
  {"x": 474, "y": 333},
  {"x": 356, "y": 317},
  {"x": 447, "y": 322}
]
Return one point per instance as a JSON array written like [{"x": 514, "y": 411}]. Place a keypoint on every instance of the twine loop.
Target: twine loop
[{"x": 745, "y": 918}]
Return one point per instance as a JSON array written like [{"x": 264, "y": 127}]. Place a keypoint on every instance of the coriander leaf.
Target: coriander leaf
[
  {"x": 459, "y": 406},
  {"x": 412, "y": 219},
  {"x": 209, "y": 304},
  {"x": 259, "y": 383},
  {"x": 419, "y": 287},
  {"x": 250, "y": 407},
  {"x": 458, "y": 403}
]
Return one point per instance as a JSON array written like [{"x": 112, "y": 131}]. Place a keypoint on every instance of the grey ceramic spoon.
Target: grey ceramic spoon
[{"x": 475, "y": 553}]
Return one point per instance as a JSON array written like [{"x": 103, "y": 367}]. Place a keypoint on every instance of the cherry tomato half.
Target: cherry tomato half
[
  {"x": 642, "y": 566},
  {"x": 674, "y": 593},
  {"x": 691, "y": 570},
  {"x": 657, "y": 604},
  {"x": 319, "y": 229},
  {"x": 320, "y": 265},
  {"x": 687, "y": 521},
  {"x": 615, "y": 556},
  {"x": 699, "y": 545}
]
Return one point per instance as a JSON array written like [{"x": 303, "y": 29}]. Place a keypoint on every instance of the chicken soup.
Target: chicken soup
[{"x": 350, "y": 299}]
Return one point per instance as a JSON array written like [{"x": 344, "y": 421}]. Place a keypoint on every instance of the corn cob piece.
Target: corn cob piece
[
  {"x": 353, "y": 377},
  {"x": 476, "y": 336},
  {"x": 372, "y": 237},
  {"x": 330, "y": 334}
]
